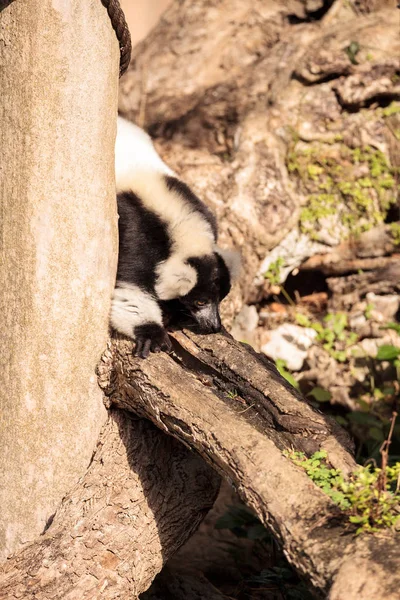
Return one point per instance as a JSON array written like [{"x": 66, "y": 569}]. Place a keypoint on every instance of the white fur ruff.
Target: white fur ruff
[
  {"x": 131, "y": 307},
  {"x": 175, "y": 278}
]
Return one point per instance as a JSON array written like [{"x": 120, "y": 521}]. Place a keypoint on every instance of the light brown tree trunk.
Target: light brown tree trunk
[
  {"x": 58, "y": 81},
  {"x": 231, "y": 406}
]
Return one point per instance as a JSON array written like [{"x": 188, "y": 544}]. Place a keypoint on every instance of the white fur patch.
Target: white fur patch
[
  {"x": 232, "y": 259},
  {"x": 138, "y": 168},
  {"x": 134, "y": 151},
  {"x": 175, "y": 278},
  {"x": 131, "y": 307}
]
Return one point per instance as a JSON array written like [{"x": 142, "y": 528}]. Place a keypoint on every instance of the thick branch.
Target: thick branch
[
  {"x": 144, "y": 494},
  {"x": 231, "y": 405}
]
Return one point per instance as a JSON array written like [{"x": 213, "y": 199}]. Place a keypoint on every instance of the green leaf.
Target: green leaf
[
  {"x": 376, "y": 434},
  {"x": 362, "y": 418},
  {"x": 387, "y": 352},
  {"x": 320, "y": 395},
  {"x": 280, "y": 365},
  {"x": 302, "y": 320},
  {"x": 394, "y": 326}
]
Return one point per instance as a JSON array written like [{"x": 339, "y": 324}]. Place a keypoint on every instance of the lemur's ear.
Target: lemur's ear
[
  {"x": 232, "y": 259},
  {"x": 175, "y": 279}
]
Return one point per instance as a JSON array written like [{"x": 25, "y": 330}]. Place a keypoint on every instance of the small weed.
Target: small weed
[
  {"x": 368, "y": 311},
  {"x": 352, "y": 50},
  {"x": 273, "y": 274},
  {"x": 395, "y": 233},
  {"x": 370, "y": 497},
  {"x": 392, "y": 109},
  {"x": 335, "y": 336},
  {"x": 232, "y": 394},
  {"x": 282, "y": 369}
]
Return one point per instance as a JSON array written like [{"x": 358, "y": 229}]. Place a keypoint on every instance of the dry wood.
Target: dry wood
[
  {"x": 349, "y": 290},
  {"x": 242, "y": 437},
  {"x": 229, "y": 404},
  {"x": 144, "y": 494},
  {"x": 372, "y": 250}
]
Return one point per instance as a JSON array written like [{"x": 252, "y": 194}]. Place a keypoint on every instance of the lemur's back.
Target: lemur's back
[
  {"x": 143, "y": 242},
  {"x": 134, "y": 151}
]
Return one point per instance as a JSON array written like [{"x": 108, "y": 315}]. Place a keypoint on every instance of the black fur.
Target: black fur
[
  {"x": 151, "y": 337},
  {"x": 176, "y": 185},
  {"x": 213, "y": 282},
  {"x": 143, "y": 242}
]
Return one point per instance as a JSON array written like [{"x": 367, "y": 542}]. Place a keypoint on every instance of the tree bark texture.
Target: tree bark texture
[
  {"x": 58, "y": 249},
  {"x": 143, "y": 495},
  {"x": 221, "y": 399}
]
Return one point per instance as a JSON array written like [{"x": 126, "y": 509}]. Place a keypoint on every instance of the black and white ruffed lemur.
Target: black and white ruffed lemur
[{"x": 168, "y": 257}]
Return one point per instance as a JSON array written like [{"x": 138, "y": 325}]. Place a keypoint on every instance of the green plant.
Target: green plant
[
  {"x": 320, "y": 394},
  {"x": 392, "y": 109},
  {"x": 273, "y": 273},
  {"x": 368, "y": 310},
  {"x": 370, "y": 497},
  {"x": 352, "y": 50},
  {"x": 394, "y": 326},
  {"x": 395, "y": 232},
  {"x": 232, "y": 394},
  {"x": 282, "y": 368},
  {"x": 337, "y": 197},
  {"x": 335, "y": 338}
]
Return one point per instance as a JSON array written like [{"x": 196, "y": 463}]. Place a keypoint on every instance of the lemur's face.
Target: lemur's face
[{"x": 200, "y": 307}]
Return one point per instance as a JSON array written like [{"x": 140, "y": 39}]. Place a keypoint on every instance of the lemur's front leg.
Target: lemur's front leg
[{"x": 136, "y": 313}]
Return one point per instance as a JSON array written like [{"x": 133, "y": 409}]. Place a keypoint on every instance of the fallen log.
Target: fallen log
[
  {"x": 229, "y": 404},
  {"x": 142, "y": 497}
]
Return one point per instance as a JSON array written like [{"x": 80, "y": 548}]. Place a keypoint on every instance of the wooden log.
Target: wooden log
[{"x": 143, "y": 495}]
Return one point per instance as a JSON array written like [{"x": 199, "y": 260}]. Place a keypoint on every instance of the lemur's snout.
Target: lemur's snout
[{"x": 208, "y": 319}]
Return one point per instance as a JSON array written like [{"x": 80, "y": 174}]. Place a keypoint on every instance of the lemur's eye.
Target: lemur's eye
[{"x": 200, "y": 303}]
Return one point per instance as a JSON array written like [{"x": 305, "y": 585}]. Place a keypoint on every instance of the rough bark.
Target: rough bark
[
  {"x": 143, "y": 495},
  {"x": 242, "y": 437},
  {"x": 229, "y": 404},
  {"x": 58, "y": 249}
]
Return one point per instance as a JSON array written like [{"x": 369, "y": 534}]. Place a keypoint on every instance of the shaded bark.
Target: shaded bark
[{"x": 143, "y": 495}]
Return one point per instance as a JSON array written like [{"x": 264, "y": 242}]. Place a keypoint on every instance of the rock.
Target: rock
[
  {"x": 383, "y": 307},
  {"x": 245, "y": 324},
  {"x": 290, "y": 343}
]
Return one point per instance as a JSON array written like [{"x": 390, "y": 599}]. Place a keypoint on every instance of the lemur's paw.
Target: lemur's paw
[{"x": 151, "y": 337}]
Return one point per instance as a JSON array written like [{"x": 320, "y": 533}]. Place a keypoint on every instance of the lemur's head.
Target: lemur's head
[{"x": 200, "y": 306}]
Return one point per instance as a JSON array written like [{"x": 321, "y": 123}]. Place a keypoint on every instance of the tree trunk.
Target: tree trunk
[
  {"x": 142, "y": 496},
  {"x": 58, "y": 81},
  {"x": 217, "y": 80},
  {"x": 230, "y": 405}
]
